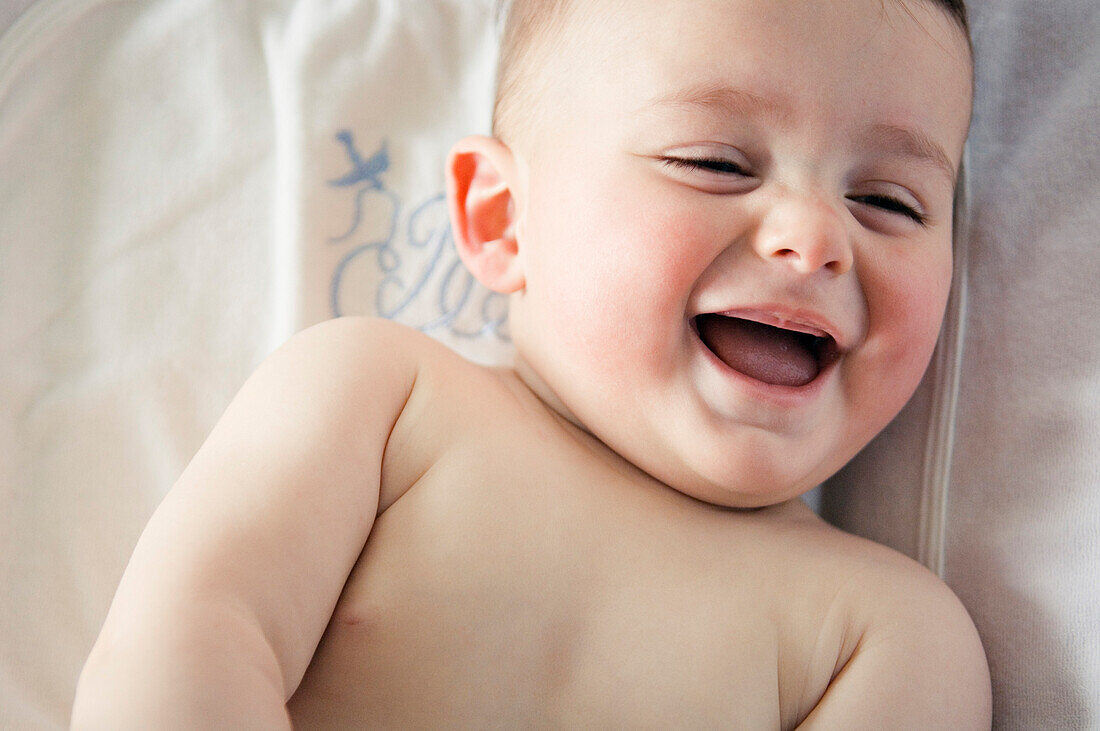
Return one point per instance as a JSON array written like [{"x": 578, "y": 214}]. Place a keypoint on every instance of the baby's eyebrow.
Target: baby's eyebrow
[
  {"x": 911, "y": 143},
  {"x": 717, "y": 97}
]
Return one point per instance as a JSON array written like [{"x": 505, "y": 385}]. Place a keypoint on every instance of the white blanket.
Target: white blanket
[{"x": 185, "y": 183}]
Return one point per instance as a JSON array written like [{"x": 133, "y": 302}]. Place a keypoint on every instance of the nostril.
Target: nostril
[
  {"x": 841, "y": 264},
  {"x": 806, "y": 235},
  {"x": 809, "y": 259}
]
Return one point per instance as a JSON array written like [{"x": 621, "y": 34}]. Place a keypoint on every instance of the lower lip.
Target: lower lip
[{"x": 781, "y": 396}]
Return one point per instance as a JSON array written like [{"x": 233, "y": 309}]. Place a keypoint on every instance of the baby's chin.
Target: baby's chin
[
  {"x": 748, "y": 473},
  {"x": 758, "y": 495},
  {"x": 740, "y": 477}
]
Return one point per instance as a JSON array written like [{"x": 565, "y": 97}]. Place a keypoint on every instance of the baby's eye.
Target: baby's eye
[
  {"x": 725, "y": 167},
  {"x": 891, "y": 205}
]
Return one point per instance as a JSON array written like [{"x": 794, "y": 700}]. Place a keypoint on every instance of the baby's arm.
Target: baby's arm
[
  {"x": 237, "y": 573},
  {"x": 918, "y": 665}
]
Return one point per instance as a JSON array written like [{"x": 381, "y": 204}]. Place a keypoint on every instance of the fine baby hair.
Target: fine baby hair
[{"x": 528, "y": 29}]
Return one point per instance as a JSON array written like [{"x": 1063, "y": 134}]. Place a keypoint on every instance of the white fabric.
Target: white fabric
[
  {"x": 185, "y": 183},
  {"x": 179, "y": 186}
]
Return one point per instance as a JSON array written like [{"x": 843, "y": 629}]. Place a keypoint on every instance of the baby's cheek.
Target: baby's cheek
[
  {"x": 667, "y": 246},
  {"x": 912, "y": 314},
  {"x": 924, "y": 299},
  {"x": 904, "y": 313}
]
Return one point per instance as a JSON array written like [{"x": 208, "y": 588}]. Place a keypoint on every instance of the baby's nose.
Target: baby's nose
[{"x": 806, "y": 234}]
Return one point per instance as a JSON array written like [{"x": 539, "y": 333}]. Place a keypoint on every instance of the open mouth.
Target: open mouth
[{"x": 767, "y": 353}]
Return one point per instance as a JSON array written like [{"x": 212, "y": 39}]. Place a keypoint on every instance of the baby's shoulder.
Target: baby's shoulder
[
  {"x": 885, "y": 585},
  {"x": 364, "y": 354},
  {"x": 905, "y": 640},
  {"x": 368, "y": 378},
  {"x": 353, "y": 340},
  {"x": 881, "y": 590}
]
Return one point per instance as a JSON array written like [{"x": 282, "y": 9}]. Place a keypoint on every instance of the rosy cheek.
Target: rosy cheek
[
  {"x": 911, "y": 312},
  {"x": 627, "y": 252},
  {"x": 669, "y": 240},
  {"x": 905, "y": 302}
]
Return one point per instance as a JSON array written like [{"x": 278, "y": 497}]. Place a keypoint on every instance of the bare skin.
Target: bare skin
[
  {"x": 520, "y": 574},
  {"x": 460, "y": 555}
]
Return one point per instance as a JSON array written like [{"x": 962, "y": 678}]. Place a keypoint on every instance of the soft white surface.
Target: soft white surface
[
  {"x": 168, "y": 216},
  {"x": 177, "y": 196}
]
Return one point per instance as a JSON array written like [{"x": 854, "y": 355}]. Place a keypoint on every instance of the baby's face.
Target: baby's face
[{"x": 735, "y": 232}]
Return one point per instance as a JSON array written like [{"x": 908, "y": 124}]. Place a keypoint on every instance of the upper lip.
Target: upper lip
[{"x": 791, "y": 318}]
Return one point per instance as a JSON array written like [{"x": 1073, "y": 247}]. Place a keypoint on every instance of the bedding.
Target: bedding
[{"x": 186, "y": 183}]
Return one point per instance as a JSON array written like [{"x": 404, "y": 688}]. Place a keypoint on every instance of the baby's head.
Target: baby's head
[{"x": 725, "y": 225}]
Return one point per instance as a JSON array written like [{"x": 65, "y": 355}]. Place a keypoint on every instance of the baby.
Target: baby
[{"x": 725, "y": 229}]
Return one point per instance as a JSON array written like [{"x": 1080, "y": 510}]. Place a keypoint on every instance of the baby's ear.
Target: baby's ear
[{"x": 480, "y": 176}]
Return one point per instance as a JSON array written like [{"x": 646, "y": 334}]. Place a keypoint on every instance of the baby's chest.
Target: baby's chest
[{"x": 530, "y": 608}]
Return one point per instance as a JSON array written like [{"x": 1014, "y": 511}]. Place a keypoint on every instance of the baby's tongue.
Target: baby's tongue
[{"x": 769, "y": 354}]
